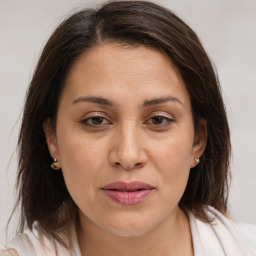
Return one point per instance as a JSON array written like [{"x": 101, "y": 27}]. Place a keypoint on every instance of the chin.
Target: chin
[
  {"x": 130, "y": 229},
  {"x": 129, "y": 232}
]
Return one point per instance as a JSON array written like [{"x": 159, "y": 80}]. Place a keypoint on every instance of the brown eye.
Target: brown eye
[
  {"x": 97, "y": 120},
  {"x": 158, "y": 120}
]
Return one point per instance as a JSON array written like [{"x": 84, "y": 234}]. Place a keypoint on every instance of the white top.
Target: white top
[{"x": 222, "y": 237}]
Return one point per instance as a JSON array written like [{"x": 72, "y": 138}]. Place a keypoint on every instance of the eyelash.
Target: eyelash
[
  {"x": 167, "y": 122},
  {"x": 85, "y": 121}
]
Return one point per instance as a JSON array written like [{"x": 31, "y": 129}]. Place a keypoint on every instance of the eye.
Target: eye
[
  {"x": 160, "y": 121},
  {"x": 95, "y": 121}
]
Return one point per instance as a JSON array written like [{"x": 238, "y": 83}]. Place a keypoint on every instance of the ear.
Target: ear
[
  {"x": 51, "y": 139},
  {"x": 199, "y": 143}
]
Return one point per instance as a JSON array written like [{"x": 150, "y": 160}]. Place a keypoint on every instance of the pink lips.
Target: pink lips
[{"x": 128, "y": 193}]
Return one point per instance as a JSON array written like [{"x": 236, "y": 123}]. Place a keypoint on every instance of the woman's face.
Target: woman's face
[{"x": 125, "y": 116}]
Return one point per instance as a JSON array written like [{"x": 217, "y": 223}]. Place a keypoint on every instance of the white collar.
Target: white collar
[{"x": 222, "y": 237}]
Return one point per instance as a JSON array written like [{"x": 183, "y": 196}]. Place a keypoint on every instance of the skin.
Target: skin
[{"x": 129, "y": 143}]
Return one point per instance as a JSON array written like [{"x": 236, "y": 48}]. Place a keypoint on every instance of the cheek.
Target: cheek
[
  {"x": 172, "y": 160},
  {"x": 77, "y": 151},
  {"x": 77, "y": 155},
  {"x": 174, "y": 152},
  {"x": 81, "y": 162}
]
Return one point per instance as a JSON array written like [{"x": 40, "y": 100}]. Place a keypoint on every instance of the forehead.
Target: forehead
[{"x": 112, "y": 70}]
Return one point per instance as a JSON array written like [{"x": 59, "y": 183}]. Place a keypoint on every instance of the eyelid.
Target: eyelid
[
  {"x": 160, "y": 113},
  {"x": 168, "y": 120},
  {"x": 91, "y": 115},
  {"x": 95, "y": 114}
]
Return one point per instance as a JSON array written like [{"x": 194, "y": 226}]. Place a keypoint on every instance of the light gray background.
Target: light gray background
[{"x": 227, "y": 29}]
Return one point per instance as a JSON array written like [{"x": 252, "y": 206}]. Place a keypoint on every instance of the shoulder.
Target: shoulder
[
  {"x": 33, "y": 242},
  {"x": 18, "y": 246},
  {"x": 234, "y": 236},
  {"x": 248, "y": 233},
  {"x": 9, "y": 252}
]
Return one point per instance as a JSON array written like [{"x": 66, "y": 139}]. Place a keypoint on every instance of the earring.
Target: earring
[
  {"x": 55, "y": 164},
  {"x": 197, "y": 160}
]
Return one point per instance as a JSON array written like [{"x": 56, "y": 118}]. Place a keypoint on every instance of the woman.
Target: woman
[{"x": 124, "y": 145}]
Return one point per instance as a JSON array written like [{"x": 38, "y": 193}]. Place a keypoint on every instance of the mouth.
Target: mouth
[{"x": 128, "y": 193}]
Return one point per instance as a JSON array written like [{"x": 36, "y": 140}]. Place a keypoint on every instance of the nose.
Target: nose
[{"x": 127, "y": 149}]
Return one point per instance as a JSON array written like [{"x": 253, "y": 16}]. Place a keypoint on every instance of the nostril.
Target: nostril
[{"x": 135, "y": 166}]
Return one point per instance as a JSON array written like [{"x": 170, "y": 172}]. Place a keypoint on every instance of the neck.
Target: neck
[{"x": 171, "y": 237}]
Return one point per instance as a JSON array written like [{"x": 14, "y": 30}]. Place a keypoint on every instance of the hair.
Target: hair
[{"x": 42, "y": 193}]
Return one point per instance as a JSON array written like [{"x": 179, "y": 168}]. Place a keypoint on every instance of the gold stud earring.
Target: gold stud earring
[
  {"x": 197, "y": 160},
  {"x": 55, "y": 164}
]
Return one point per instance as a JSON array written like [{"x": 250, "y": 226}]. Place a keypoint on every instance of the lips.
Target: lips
[{"x": 128, "y": 193}]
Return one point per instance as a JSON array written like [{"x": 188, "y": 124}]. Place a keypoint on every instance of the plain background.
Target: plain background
[{"x": 227, "y": 30}]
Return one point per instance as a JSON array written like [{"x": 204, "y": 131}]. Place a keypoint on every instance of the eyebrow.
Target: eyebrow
[
  {"x": 161, "y": 100},
  {"x": 146, "y": 103},
  {"x": 93, "y": 99}
]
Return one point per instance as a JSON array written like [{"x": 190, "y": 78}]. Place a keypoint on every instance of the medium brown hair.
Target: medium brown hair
[{"x": 42, "y": 192}]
